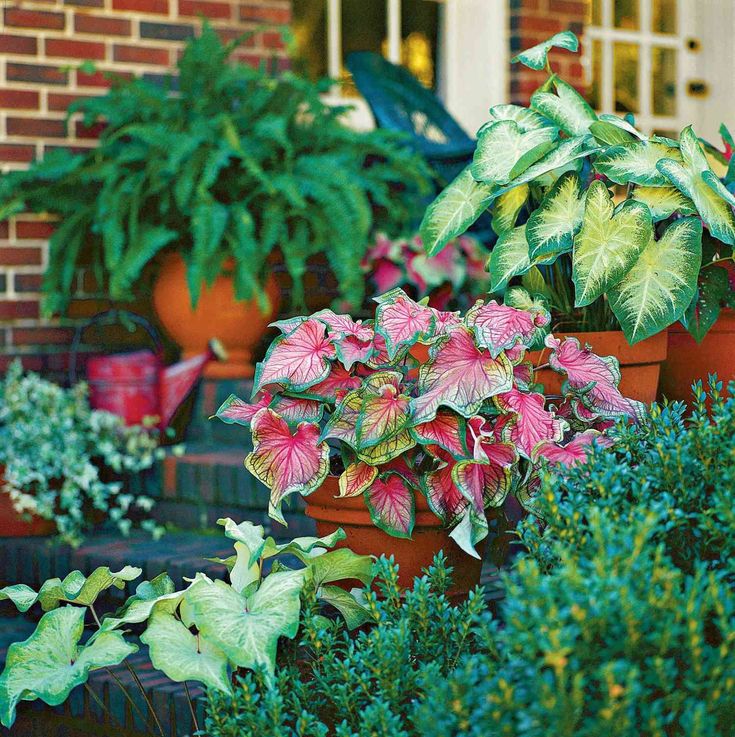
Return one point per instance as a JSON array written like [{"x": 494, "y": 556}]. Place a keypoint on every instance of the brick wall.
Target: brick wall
[
  {"x": 533, "y": 21},
  {"x": 42, "y": 45}
]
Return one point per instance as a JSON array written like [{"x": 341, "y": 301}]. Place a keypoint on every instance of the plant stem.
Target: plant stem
[
  {"x": 102, "y": 706},
  {"x": 191, "y": 707},
  {"x": 145, "y": 696},
  {"x": 96, "y": 618},
  {"x": 127, "y": 695}
]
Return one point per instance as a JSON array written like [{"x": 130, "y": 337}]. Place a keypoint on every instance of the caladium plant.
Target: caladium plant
[
  {"x": 465, "y": 428},
  {"x": 611, "y": 227}
]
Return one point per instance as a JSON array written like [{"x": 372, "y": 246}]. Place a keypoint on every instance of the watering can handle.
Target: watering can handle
[{"x": 111, "y": 316}]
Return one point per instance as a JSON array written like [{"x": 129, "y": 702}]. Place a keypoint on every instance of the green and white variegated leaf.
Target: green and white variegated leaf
[
  {"x": 508, "y": 258},
  {"x": 22, "y": 596},
  {"x": 608, "y": 244},
  {"x": 341, "y": 564},
  {"x": 623, "y": 125},
  {"x": 77, "y": 588},
  {"x": 536, "y": 57},
  {"x": 636, "y": 163},
  {"x": 507, "y": 207},
  {"x": 660, "y": 286},
  {"x": 504, "y": 151},
  {"x": 567, "y": 108},
  {"x": 50, "y": 663},
  {"x": 345, "y": 602},
  {"x": 304, "y": 548},
  {"x": 454, "y": 210},
  {"x": 687, "y": 178},
  {"x": 147, "y": 595},
  {"x": 526, "y": 118},
  {"x": 551, "y": 229},
  {"x": 714, "y": 183},
  {"x": 609, "y": 134},
  {"x": 702, "y": 313},
  {"x": 250, "y": 535},
  {"x": 471, "y": 529},
  {"x": 247, "y": 629},
  {"x": 663, "y": 202},
  {"x": 183, "y": 656}
]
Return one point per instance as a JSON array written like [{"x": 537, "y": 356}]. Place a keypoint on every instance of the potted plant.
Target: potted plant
[
  {"x": 602, "y": 222},
  {"x": 403, "y": 457},
  {"x": 64, "y": 465},
  {"x": 213, "y": 177}
]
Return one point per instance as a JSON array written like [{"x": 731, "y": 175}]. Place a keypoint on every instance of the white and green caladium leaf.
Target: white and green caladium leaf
[
  {"x": 249, "y": 545},
  {"x": 50, "y": 663},
  {"x": 714, "y": 183},
  {"x": 526, "y": 118},
  {"x": 705, "y": 308},
  {"x": 508, "y": 258},
  {"x": 623, "y": 125},
  {"x": 454, "y": 210},
  {"x": 354, "y": 613},
  {"x": 663, "y": 202},
  {"x": 609, "y": 134},
  {"x": 139, "y": 606},
  {"x": 687, "y": 177},
  {"x": 660, "y": 286},
  {"x": 184, "y": 656},
  {"x": 608, "y": 244},
  {"x": 471, "y": 529},
  {"x": 247, "y": 629},
  {"x": 304, "y": 548},
  {"x": 338, "y": 565},
  {"x": 24, "y": 597},
  {"x": 537, "y": 56},
  {"x": 636, "y": 163},
  {"x": 551, "y": 228},
  {"x": 507, "y": 207},
  {"x": 563, "y": 105},
  {"x": 504, "y": 151}
]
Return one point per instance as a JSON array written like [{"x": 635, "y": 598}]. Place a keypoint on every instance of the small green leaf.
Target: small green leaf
[
  {"x": 507, "y": 207},
  {"x": 139, "y": 606},
  {"x": 636, "y": 163},
  {"x": 537, "y": 56},
  {"x": 567, "y": 108},
  {"x": 663, "y": 202},
  {"x": 341, "y": 564},
  {"x": 304, "y": 548},
  {"x": 609, "y": 134},
  {"x": 508, "y": 258},
  {"x": 705, "y": 308},
  {"x": 24, "y": 597},
  {"x": 345, "y": 603},
  {"x": 78, "y": 589},
  {"x": 623, "y": 125}
]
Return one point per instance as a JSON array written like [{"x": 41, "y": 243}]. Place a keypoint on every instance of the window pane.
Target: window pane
[
  {"x": 594, "y": 95},
  {"x": 664, "y": 81},
  {"x": 663, "y": 18},
  {"x": 626, "y": 14},
  {"x": 625, "y": 57},
  {"x": 309, "y": 24},
  {"x": 596, "y": 12},
  {"x": 419, "y": 27},
  {"x": 364, "y": 28}
]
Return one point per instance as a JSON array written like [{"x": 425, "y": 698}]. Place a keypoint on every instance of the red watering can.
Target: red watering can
[{"x": 136, "y": 384}]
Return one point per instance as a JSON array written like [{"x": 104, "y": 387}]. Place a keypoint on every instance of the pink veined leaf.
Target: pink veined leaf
[
  {"x": 392, "y": 505},
  {"x": 235, "y": 411},
  {"x": 534, "y": 422},
  {"x": 445, "y": 322},
  {"x": 388, "y": 450},
  {"x": 573, "y": 452},
  {"x": 442, "y": 494},
  {"x": 356, "y": 478},
  {"x": 460, "y": 376},
  {"x": 386, "y": 275},
  {"x": 289, "y": 324},
  {"x": 593, "y": 378},
  {"x": 523, "y": 374},
  {"x": 483, "y": 484},
  {"x": 516, "y": 353},
  {"x": 342, "y": 425},
  {"x": 382, "y": 416},
  {"x": 340, "y": 326},
  {"x": 286, "y": 462},
  {"x": 377, "y": 380},
  {"x": 401, "y": 466},
  {"x": 447, "y": 429},
  {"x": 401, "y": 321},
  {"x": 297, "y": 360},
  {"x": 351, "y": 350},
  {"x": 296, "y": 409},
  {"x": 338, "y": 378},
  {"x": 499, "y": 327}
]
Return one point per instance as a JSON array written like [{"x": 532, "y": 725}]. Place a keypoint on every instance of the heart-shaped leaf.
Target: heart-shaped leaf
[
  {"x": 382, "y": 416},
  {"x": 662, "y": 283},
  {"x": 297, "y": 409},
  {"x": 551, "y": 228},
  {"x": 354, "y": 613},
  {"x": 286, "y": 462},
  {"x": 401, "y": 321},
  {"x": 235, "y": 411},
  {"x": 526, "y": 118},
  {"x": 533, "y": 422},
  {"x": 704, "y": 309},
  {"x": 537, "y": 56},
  {"x": 22, "y": 596},
  {"x": 388, "y": 450},
  {"x": 663, "y": 202},
  {"x": 454, "y": 210},
  {"x": 687, "y": 178},
  {"x": 508, "y": 258},
  {"x": 339, "y": 380},
  {"x": 573, "y": 452},
  {"x": 356, "y": 478},
  {"x": 608, "y": 244},
  {"x": 460, "y": 376},
  {"x": 446, "y": 430},
  {"x": 499, "y": 327},
  {"x": 442, "y": 494},
  {"x": 507, "y": 207},
  {"x": 609, "y": 134},
  {"x": 341, "y": 326},
  {"x": 567, "y": 108},
  {"x": 50, "y": 663},
  {"x": 341, "y": 565},
  {"x": 637, "y": 162},
  {"x": 392, "y": 505},
  {"x": 139, "y": 606},
  {"x": 483, "y": 483}
]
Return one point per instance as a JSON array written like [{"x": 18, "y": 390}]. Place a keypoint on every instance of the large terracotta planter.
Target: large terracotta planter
[
  {"x": 689, "y": 361},
  {"x": 640, "y": 364},
  {"x": 238, "y": 325},
  {"x": 364, "y": 538},
  {"x": 13, "y": 524}
]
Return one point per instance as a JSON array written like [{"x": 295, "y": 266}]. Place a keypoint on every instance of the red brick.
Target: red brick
[
  {"x": 574, "y": 8},
  {"x": 10, "y": 44},
  {"x": 17, "y": 152},
  {"x": 265, "y": 15},
  {"x": 28, "y": 282},
  {"x": 35, "y": 19},
  {"x": 273, "y": 40},
  {"x": 99, "y": 78},
  {"x": 35, "y": 73},
  {"x": 60, "y": 101},
  {"x": 41, "y": 336},
  {"x": 20, "y": 256},
  {"x": 92, "y": 131},
  {"x": 141, "y": 55},
  {"x": 70, "y": 49},
  {"x": 36, "y": 127},
  {"x": 29, "y": 363},
  {"x": 17, "y": 310},
  {"x": 207, "y": 9},
  {"x": 4, "y": 229},
  {"x": 101, "y": 26},
  {"x": 22, "y": 99},
  {"x": 160, "y": 7},
  {"x": 540, "y": 23},
  {"x": 33, "y": 229}
]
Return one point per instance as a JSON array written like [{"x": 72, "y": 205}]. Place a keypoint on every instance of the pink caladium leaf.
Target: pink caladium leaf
[
  {"x": 499, "y": 327},
  {"x": 235, "y": 411},
  {"x": 392, "y": 505},
  {"x": 380, "y": 358},
  {"x": 341, "y": 326},
  {"x": 534, "y": 423},
  {"x": 445, "y": 322},
  {"x": 447, "y": 430},
  {"x": 592, "y": 378},
  {"x": 286, "y": 462},
  {"x": 573, "y": 452},
  {"x": 342, "y": 425},
  {"x": 401, "y": 321},
  {"x": 403, "y": 466},
  {"x": 386, "y": 275},
  {"x": 388, "y": 450},
  {"x": 356, "y": 478},
  {"x": 297, "y": 360},
  {"x": 296, "y": 409},
  {"x": 382, "y": 416},
  {"x": 482, "y": 483},
  {"x": 351, "y": 350},
  {"x": 289, "y": 324},
  {"x": 460, "y": 376},
  {"x": 442, "y": 494},
  {"x": 338, "y": 379},
  {"x": 523, "y": 375}
]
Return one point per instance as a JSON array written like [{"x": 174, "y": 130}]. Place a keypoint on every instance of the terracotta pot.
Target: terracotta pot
[
  {"x": 13, "y": 524},
  {"x": 363, "y": 537},
  {"x": 640, "y": 364},
  {"x": 689, "y": 361},
  {"x": 238, "y": 325}
]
